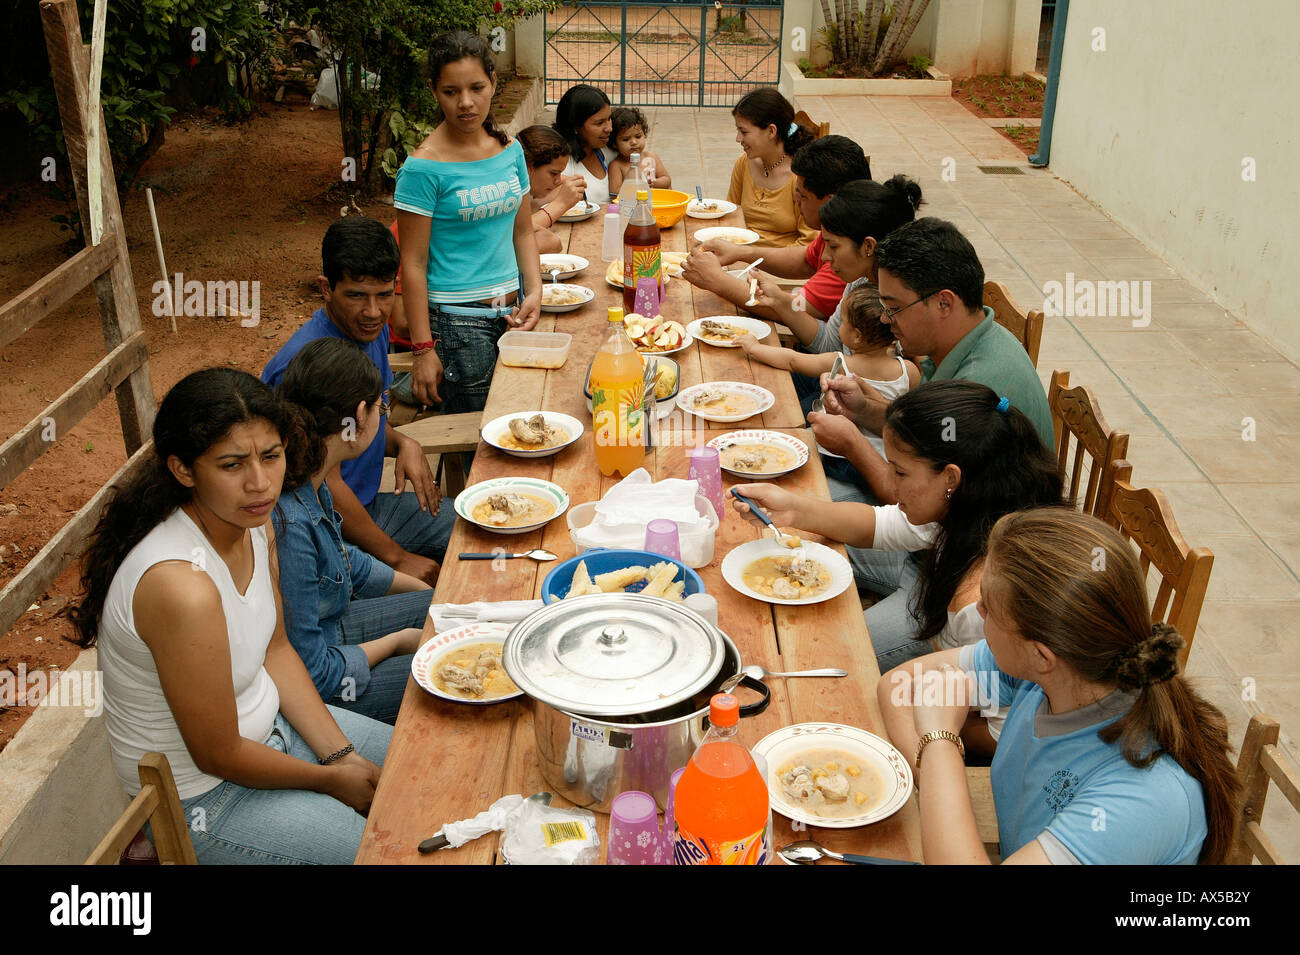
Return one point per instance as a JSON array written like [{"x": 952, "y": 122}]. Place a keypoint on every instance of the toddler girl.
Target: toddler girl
[{"x": 629, "y": 136}]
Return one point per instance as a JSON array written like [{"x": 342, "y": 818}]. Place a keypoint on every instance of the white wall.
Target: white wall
[{"x": 1156, "y": 128}]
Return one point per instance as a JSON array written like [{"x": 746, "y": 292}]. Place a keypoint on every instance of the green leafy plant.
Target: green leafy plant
[{"x": 919, "y": 63}]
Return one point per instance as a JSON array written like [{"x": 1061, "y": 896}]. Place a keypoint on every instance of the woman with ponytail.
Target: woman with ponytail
[
  {"x": 961, "y": 458},
  {"x": 1108, "y": 756},
  {"x": 181, "y": 600},
  {"x": 761, "y": 181},
  {"x": 465, "y": 228},
  {"x": 354, "y": 620},
  {"x": 853, "y": 223}
]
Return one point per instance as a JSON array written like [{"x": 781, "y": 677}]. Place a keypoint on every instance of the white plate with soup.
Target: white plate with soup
[
  {"x": 559, "y": 297},
  {"x": 768, "y": 571},
  {"x": 834, "y": 776},
  {"x": 725, "y": 401},
  {"x": 725, "y": 331},
  {"x": 532, "y": 434},
  {"x": 568, "y": 265},
  {"x": 464, "y": 665},
  {"x": 709, "y": 208},
  {"x": 759, "y": 454},
  {"x": 727, "y": 233},
  {"x": 583, "y": 210},
  {"x": 511, "y": 505}
]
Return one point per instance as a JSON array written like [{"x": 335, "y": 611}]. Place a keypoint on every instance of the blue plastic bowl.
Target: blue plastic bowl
[{"x": 559, "y": 580}]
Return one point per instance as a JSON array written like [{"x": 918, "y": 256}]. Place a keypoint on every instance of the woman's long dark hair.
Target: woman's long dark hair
[
  {"x": 459, "y": 45},
  {"x": 865, "y": 208},
  {"x": 198, "y": 412},
  {"x": 321, "y": 389},
  {"x": 577, "y": 105},
  {"x": 1004, "y": 468},
  {"x": 766, "y": 107}
]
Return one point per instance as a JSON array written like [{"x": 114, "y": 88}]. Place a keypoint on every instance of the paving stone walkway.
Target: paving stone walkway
[{"x": 1190, "y": 388}]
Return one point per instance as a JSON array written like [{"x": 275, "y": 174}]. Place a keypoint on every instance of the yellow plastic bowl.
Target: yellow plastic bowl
[{"x": 669, "y": 206}]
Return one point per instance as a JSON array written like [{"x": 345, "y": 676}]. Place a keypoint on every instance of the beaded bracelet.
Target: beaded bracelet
[{"x": 336, "y": 756}]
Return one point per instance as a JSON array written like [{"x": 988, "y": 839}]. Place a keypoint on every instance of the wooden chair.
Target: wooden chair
[
  {"x": 157, "y": 804},
  {"x": 1261, "y": 761},
  {"x": 1076, "y": 414},
  {"x": 819, "y": 129},
  {"x": 446, "y": 435},
  {"x": 1027, "y": 327},
  {"x": 1145, "y": 517}
]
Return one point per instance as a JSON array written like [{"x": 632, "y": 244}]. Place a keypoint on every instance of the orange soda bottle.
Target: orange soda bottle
[
  {"x": 617, "y": 387},
  {"x": 722, "y": 810}
]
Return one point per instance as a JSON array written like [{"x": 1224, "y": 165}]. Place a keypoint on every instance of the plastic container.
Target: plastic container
[
  {"x": 669, "y": 206},
  {"x": 617, "y": 389},
  {"x": 642, "y": 255},
  {"x": 560, "y": 579},
  {"x": 696, "y": 543},
  {"x": 721, "y": 807},
  {"x": 534, "y": 349},
  {"x": 611, "y": 246}
]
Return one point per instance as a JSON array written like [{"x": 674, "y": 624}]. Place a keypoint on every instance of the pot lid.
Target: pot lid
[{"x": 613, "y": 654}]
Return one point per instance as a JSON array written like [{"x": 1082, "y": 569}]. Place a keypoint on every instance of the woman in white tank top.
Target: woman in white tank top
[{"x": 181, "y": 599}]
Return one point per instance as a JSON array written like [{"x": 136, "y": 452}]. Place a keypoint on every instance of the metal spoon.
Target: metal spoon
[
  {"x": 536, "y": 554},
  {"x": 796, "y": 548},
  {"x": 758, "y": 673},
  {"x": 807, "y": 852}
]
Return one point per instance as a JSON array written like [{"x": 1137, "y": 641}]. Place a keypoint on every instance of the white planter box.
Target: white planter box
[{"x": 794, "y": 83}]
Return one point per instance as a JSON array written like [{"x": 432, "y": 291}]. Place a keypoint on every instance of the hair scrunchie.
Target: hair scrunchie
[
  {"x": 794, "y": 127},
  {"x": 1153, "y": 660},
  {"x": 1004, "y": 403}
]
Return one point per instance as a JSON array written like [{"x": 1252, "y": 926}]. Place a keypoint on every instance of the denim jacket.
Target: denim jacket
[{"x": 320, "y": 574}]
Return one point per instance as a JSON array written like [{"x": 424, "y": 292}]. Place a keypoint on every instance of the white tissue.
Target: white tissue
[
  {"x": 450, "y": 616},
  {"x": 637, "y": 499},
  {"x": 491, "y": 819}
]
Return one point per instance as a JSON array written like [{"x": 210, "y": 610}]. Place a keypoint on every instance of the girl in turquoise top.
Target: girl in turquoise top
[{"x": 465, "y": 228}]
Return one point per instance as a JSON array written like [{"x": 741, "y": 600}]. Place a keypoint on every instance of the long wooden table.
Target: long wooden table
[{"x": 449, "y": 761}]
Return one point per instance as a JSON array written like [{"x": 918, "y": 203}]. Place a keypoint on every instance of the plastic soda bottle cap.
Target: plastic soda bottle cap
[
  {"x": 642, "y": 195},
  {"x": 724, "y": 710},
  {"x": 615, "y": 313}
]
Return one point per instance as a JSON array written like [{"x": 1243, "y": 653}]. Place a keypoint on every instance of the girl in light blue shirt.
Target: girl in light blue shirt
[
  {"x": 465, "y": 229},
  {"x": 1107, "y": 756}
]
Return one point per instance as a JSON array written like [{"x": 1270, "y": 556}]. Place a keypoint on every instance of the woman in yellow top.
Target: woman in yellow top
[{"x": 761, "y": 181}]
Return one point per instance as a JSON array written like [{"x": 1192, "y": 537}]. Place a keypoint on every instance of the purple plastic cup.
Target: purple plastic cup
[
  {"x": 670, "y": 819},
  {"x": 706, "y": 468},
  {"x": 634, "y": 837},
  {"x": 661, "y": 538}
]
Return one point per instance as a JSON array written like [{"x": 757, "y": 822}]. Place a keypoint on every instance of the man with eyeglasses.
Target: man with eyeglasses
[
  {"x": 409, "y": 532},
  {"x": 931, "y": 291}
]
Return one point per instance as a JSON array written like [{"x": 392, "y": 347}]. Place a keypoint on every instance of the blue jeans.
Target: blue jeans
[
  {"x": 467, "y": 348},
  {"x": 399, "y": 516},
  {"x": 370, "y": 619},
  {"x": 233, "y": 824},
  {"x": 890, "y": 623}
]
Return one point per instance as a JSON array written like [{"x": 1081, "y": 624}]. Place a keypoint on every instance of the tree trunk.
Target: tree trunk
[
  {"x": 873, "y": 27},
  {"x": 906, "y": 32},
  {"x": 826, "y": 15},
  {"x": 841, "y": 31},
  {"x": 901, "y": 9}
]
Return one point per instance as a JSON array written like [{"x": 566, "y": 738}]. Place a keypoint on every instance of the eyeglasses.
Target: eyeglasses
[{"x": 891, "y": 312}]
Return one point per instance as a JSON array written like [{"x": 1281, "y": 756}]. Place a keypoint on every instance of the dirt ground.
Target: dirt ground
[
  {"x": 234, "y": 202},
  {"x": 1004, "y": 96}
]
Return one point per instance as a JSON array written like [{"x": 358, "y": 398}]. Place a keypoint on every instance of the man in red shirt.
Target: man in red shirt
[{"x": 821, "y": 169}]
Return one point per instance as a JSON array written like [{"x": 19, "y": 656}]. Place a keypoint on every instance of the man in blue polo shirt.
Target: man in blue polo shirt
[{"x": 408, "y": 532}]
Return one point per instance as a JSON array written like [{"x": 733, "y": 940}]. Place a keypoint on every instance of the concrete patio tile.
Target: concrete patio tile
[
  {"x": 1092, "y": 374},
  {"x": 1208, "y": 316},
  {"x": 1131, "y": 268},
  {"x": 1256, "y": 637},
  {"x": 1214, "y": 345},
  {"x": 1287, "y": 547},
  {"x": 1137, "y": 344},
  {"x": 1150, "y": 379},
  {"x": 1020, "y": 227},
  {"x": 1119, "y": 248},
  {"x": 1219, "y": 417},
  {"x": 1270, "y": 508},
  {"x": 1274, "y": 413},
  {"x": 1061, "y": 343},
  {"x": 1156, "y": 459},
  {"x": 1201, "y": 511},
  {"x": 1229, "y": 461},
  {"x": 1246, "y": 570},
  {"x": 1124, "y": 413},
  {"x": 1257, "y": 378},
  {"x": 1176, "y": 291},
  {"x": 1042, "y": 250}
]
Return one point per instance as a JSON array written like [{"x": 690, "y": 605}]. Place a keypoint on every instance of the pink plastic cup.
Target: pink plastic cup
[
  {"x": 706, "y": 468},
  {"x": 634, "y": 837},
  {"x": 661, "y": 538}
]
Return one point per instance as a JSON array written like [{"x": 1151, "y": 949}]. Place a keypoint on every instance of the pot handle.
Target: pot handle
[{"x": 749, "y": 709}]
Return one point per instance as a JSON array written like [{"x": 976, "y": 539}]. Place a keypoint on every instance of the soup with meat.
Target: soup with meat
[
  {"x": 716, "y": 401},
  {"x": 512, "y": 509},
  {"x": 829, "y": 783},
  {"x": 757, "y": 458},
  {"x": 532, "y": 434},
  {"x": 787, "y": 578},
  {"x": 473, "y": 671}
]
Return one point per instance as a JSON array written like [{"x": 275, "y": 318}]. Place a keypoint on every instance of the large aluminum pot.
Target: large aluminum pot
[{"x": 590, "y": 758}]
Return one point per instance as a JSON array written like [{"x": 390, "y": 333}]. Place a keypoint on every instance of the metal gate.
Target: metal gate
[{"x": 667, "y": 53}]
